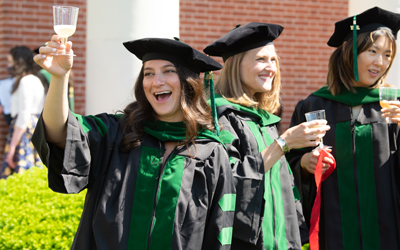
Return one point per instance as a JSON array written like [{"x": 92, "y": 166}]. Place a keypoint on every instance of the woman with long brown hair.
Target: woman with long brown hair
[
  {"x": 27, "y": 99},
  {"x": 360, "y": 205},
  {"x": 157, "y": 176}
]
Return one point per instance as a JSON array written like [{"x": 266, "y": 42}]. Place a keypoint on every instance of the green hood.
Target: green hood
[
  {"x": 363, "y": 95},
  {"x": 175, "y": 131},
  {"x": 265, "y": 117}
]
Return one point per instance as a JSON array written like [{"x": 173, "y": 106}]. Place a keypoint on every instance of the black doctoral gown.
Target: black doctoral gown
[
  {"x": 360, "y": 199},
  {"x": 268, "y": 211},
  {"x": 132, "y": 201}
]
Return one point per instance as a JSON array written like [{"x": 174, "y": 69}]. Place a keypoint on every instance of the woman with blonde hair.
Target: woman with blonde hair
[{"x": 268, "y": 211}]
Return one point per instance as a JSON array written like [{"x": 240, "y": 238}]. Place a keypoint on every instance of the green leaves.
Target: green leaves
[{"x": 34, "y": 217}]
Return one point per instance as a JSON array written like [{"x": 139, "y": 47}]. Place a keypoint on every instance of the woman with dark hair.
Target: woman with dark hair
[
  {"x": 157, "y": 176},
  {"x": 268, "y": 211},
  {"x": 27, "y": 99},
  {"x": 360, "y": 205}
]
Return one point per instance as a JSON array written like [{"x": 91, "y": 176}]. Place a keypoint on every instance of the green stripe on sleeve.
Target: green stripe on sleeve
[
  {"x": 367, "y": 190},
  {"x": 227, "y": 202},
  {"x": 86, "y": 127},
  {"x": 347, "y": 189},
  {"x": 225, "y": 237}
]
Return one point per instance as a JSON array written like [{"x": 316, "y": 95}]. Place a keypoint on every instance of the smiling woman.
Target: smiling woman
[
  {"x": 162, "y": 87},
  {"x": 360, "y": 199},
  {"x": 258, "y": 69},
  {"x": 157, "y": 176},
  {"x": 374, "y": 62},
  {"x": 268, "y": 212}
]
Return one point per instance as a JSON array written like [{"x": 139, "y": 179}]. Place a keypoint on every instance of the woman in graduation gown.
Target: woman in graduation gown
[
  {"x": 360, "y": 206},
  {"x": 156, "y": 175},
  {"x": 268, "y": 211}
]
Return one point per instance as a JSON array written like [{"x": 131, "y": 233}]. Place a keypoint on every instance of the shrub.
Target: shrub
[{"x": 35, "y": 217}]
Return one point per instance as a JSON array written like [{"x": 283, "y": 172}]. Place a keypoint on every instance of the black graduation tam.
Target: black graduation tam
[
  {"x": 244, "y": 38},
  {"x": 367, "y": 21},
  {"x": 174, "y": 51}
]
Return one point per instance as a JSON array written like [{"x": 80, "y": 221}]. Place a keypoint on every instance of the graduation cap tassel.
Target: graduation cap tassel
[
  {"x": 209, "y": 82},
  {"x": 355, "y": 64}
]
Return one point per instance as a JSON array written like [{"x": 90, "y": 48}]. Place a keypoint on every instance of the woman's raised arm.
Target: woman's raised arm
[{"x": 55, "y": 111}]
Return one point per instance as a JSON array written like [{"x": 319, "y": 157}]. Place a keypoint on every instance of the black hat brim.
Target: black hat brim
[{"x": 171, "y": 50}]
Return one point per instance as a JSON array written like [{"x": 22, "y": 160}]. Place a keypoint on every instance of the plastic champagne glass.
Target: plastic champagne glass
[
  {"x": 317, "y": 115},
  {"x": 387, "y": 94},
  {"x": 65, "y": 18}
]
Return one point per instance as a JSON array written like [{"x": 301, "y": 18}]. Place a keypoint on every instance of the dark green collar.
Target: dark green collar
[
  {"x": 265, "y": 117},
  {"x": 175, "y": 131},
  {"x": 363, "y": 95}
]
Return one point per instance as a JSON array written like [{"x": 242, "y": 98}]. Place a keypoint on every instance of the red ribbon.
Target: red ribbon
[{"x": 315, "y": 214}]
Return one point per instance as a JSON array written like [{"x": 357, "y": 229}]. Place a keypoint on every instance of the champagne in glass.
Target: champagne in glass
[
  {"x": 65, "y": 30},
  {"x": 317, "y": 115},
  {"x": 384, "y": 104},
  {"x": 387, "y": 94},
  {"x": 65, "y": 18}
]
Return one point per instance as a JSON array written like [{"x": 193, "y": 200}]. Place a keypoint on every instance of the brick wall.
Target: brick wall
[
  {"x": 301, "y": 47},
  {"x": 30, "y": 23}
]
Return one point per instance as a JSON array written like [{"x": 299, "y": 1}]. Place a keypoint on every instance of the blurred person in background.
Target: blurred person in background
[
  {"x": 5, "y": 97},
  {"x": 27, "y": 99}
]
